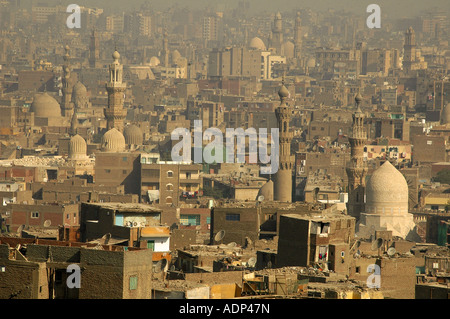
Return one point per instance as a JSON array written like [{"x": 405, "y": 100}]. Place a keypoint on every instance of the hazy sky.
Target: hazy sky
[{"x": 401, "y": 8}]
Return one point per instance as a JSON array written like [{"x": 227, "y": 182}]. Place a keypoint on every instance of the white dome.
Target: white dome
[
  {"x": 113, "y": 141},
  {"x": 387, "y": 191},
  {"x": 257, "y": 44},
  {"x": 45, "y": 106}
]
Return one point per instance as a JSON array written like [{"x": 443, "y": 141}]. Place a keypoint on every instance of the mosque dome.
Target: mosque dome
[
  {"x": 257, "y": 44},
  {"x": 45, "y": 106},
  {"x": 288, "y": 48},
  {"x": 79, "y": 89},
  {"x": 113, "y": 141},
  {"x": 154, "y": 61},
  {"x": 175, "y": 55},
  {"x": 77, "y": 147},
  {"x": 133, "y": 135},
  {"x": 311, "y": 63},
  {"x": 387, "y": 191},
  {"x": 445, "y": 117},
  {"x": 267, "y": 191}
]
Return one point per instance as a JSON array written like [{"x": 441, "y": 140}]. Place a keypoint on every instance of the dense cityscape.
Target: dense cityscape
[{"x": 224, "y": 150}]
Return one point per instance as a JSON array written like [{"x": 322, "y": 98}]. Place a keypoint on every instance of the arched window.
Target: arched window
[
  {"x": 169, "y": 173},
  {"x": 169, "y": 187},
  {"x": 169, "y": 200}
]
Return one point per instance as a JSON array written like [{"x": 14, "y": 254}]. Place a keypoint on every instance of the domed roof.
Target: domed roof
[
  {"x": 267, "y": 191},
  {"x": 77, "y": 147},
  {"x": 387, "y": 191},
  {"x": 113, "y": 141},
  {"x": 175, "y": 55},
  {"x": 79, "y": 89},
  {"x": 257, "y": 44},
  {"x": 133, "y": 135},
  {"x": 154, "y": 61},
  {"x": 311, "y": 63},
  {"x": 288, "y": 48},
  {"x": 45, "y": 105},
  {"x": 445, "y": 116}
]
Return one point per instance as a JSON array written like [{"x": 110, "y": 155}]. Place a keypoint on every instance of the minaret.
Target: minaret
[
  {"x": 298, "y": 38},
  {"x": 409, "y": 49},
  {"x": 67, "y": 86},
  {"x": 94, "y": 50},
  {"x": 165, "y": 52},
  {"x": 357, "y": 167},
  {"x": 115, "y": 113},
  {"x": 277, "y": 34},
  {"x": 283, "y": 178}
]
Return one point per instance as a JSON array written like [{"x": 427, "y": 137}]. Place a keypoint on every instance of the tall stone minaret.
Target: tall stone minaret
[
  {"x": 282, "y": 190},
  {"x": 277, "y": 34},
  {"x": 298, "y": 38},
  {"x": 115, "y": 113},
  {"x": 165, "y": 51},
  {"x": 357, "y": 167},
  {"x": 67, "y": 86}
]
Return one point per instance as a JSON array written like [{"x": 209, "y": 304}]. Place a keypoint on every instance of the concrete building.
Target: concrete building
[
  {"x": 322, "y": 240},
  {"x": 40, "y": 271}
]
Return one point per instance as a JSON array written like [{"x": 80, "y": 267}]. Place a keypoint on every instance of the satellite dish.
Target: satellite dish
[
  {"x": 19, "y": 230},
  {"x": 106, "y": 238},
  {"x": 160, "y": 265},
  {"x": 232, "y": 244},
  {"x": 219, "y": 236},
  {"x": 251, "y": 262},
  {"x": 47, "y": 223},
  {"x": 377, "y": 243},
  {"x": 198, "y": 227},
  {"x": 356, "y": 244},
  {"x": 260, "y": 198},
  {"x": 391, "y": 251}
]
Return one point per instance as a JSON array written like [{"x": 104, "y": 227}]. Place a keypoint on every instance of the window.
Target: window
[
  {"x": 124, "y": 171},
  {"x": 125, "y": 159},
  {"x": 190, "y": 220},
  {"x": 357, "y": 269},
  {"x": 133, "y": 282},
  {"x": 34, "y": 214},
  {"x": 169, "y": 187},
  {"x": 107, "y": 171},
  {"x": 233, "y": 217},
  {"x": 169, "y": 174}
]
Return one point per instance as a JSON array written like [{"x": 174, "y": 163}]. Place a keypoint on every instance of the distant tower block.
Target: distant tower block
[
  {"x": 94, "y": 50},
  {"x": 298, "y": 38},
  {"x": 115, "y": 113},
  {"x": 283, "y": 177},
  {"x": 409, "y": 55},
  {"x": 357, "y": 167},
  {"x": 67, "y": 86}
]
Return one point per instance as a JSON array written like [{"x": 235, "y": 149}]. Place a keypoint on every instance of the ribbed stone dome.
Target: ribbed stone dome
[
  {"x": 45, "y": 106},
  {"x": 77, "y": 147},
  {"x": 133, "y": 135},
  {"x": 257, "y": 44},
  {"x": 113, "y": 141},
  {"x": 387, "y": 191}
]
